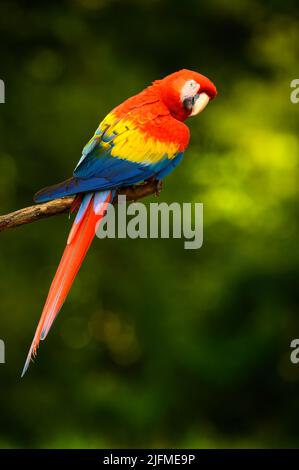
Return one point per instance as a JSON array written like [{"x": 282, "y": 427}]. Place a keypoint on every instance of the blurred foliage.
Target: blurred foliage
[{"x": 156, "y": 345}]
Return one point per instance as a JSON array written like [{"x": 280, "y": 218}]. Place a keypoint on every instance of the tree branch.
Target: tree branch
[{"x": 59, "y": 206}]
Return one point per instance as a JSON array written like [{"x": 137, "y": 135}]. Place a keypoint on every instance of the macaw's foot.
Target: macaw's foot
[{"x": 158, "y": 185}]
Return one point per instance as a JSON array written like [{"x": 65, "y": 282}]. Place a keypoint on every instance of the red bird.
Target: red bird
[{"x": 144, "y": 137}]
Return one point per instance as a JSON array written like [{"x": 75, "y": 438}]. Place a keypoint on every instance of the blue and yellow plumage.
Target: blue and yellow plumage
[{"x": 118, "y": 154}]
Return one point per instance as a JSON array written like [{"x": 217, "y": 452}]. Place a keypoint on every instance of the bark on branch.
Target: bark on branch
[{"x": 59, "y": 206}]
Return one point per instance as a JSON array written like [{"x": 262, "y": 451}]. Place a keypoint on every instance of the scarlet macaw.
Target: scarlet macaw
[{"x": 144, "y": 137}]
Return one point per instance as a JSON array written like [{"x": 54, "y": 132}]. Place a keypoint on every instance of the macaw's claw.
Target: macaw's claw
[{"x": 159, "y": 186}]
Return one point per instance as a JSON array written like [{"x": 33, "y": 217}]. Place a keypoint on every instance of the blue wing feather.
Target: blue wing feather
[{"x": 99, "y": 170}]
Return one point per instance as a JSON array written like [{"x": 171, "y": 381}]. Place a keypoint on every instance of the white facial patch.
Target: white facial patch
[{"x": 190, "y": 88}]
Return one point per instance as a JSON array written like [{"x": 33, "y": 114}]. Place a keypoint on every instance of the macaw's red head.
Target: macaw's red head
[{"x": 186, "y": 93}]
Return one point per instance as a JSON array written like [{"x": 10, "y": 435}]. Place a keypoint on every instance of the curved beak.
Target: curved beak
[{"x": 200, "y": 104}]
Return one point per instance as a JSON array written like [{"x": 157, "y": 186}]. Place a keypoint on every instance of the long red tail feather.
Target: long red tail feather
[{"x": 92, "y": 209}]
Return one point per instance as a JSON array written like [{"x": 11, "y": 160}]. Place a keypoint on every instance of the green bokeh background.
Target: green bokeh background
[{"x": 156, "y": 345}]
